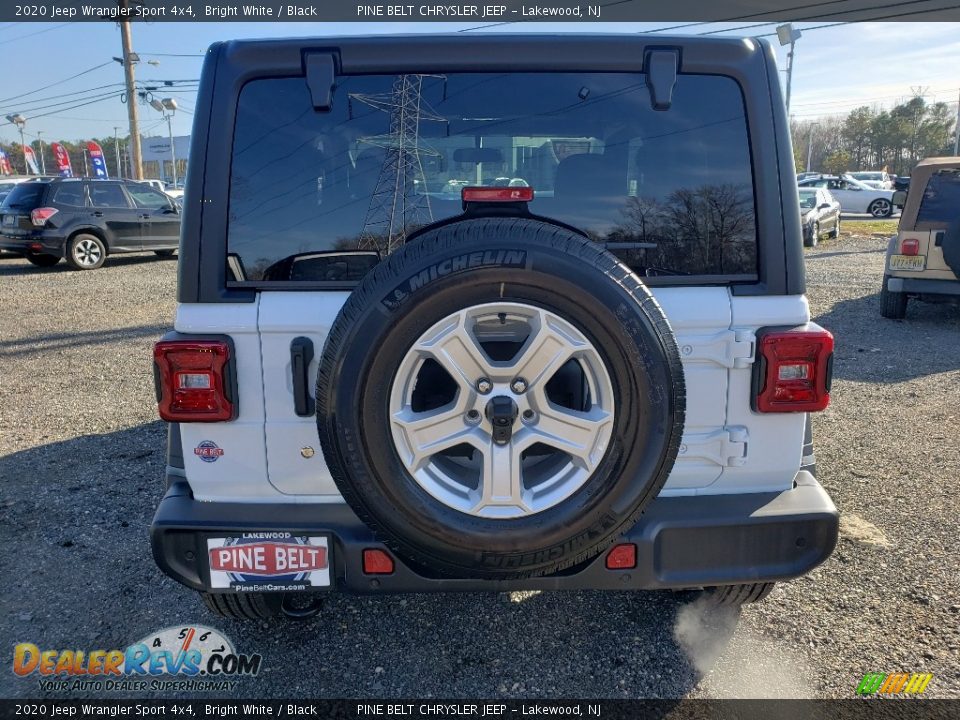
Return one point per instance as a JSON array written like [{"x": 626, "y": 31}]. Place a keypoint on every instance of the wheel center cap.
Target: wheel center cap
[{"x": 501, "y": 411}]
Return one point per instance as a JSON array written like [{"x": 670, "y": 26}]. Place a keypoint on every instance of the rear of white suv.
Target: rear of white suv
[{"x": 534, "y": 320}]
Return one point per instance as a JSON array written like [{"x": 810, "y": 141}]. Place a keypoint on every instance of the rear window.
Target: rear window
[
  {"x": 941, "y": 199},
  {"x": 670, "y": 192},
  {"x": 25, "y": 196}
]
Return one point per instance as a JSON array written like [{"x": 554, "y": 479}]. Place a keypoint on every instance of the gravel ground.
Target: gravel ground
[{"x": 81, "y": 460}]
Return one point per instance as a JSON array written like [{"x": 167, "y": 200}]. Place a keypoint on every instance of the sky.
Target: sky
[{"x": 836, "y": 68}]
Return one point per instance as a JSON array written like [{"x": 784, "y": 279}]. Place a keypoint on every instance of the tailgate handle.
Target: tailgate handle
[{"x": 301, "y": 355}]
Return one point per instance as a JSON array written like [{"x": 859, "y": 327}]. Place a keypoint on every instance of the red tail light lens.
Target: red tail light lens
[
  {"x": 794, "y": 369},
  {"x": 377, "y": 562},
  {"x": 192, "y": 382},
  {"x": 497, "y": 194},
  {"x": 622, "y": 557},
  {"x": 910, "y": 246},
  {"x": 40, "y": 216}
]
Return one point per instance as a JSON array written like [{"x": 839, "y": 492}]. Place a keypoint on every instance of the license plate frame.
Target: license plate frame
[
  {"x": 249, "y": 562},
  {"x": 910, "y": 263}
]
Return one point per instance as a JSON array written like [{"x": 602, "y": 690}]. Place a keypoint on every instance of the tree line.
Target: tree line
[{"x": 871, "y": 139}]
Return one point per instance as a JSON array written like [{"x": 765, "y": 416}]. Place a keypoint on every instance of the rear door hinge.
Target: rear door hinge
[
  {"x": 729, "y": 348},
  {"x": 726, "y": 447}
]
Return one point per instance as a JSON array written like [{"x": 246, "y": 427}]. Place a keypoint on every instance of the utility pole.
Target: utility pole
[
  {"x": 116, "y": 147},
  {"x": 43, "y": 164},
  {"x": 23, "y": 146},
  {"x": 810, "y": 146},
  {"x": 956, "y": 137},
  {"x": 173, "y": 156},
  {"x": 127, "y": 39}
]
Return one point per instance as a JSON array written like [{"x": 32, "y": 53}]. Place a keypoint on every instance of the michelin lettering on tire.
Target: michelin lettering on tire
[{"x": 459, "y": 263}]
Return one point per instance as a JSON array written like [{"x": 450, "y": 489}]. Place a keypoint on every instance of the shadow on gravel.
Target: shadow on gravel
[
  {"x": 24, "y": 268},
  {"x": 871, "y": 348},
  {"x": 73, "y": 527},
  {"x": 61, "y": 341}
]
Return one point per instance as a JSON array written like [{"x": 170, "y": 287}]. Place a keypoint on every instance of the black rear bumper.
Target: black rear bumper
[{"x": 681, "y": 542}]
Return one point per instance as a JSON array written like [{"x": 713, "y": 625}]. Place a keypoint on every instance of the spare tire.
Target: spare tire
[
  {"x": 501, "y": 398},
  {"x": 951, "y": 247}
]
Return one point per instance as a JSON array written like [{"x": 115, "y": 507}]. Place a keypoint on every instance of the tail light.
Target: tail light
[
  {"x": 910, "y": 246},
  {"x": 496, "y": 194},
  {"x": 40, "y": 216},
  {"x": 195, "y": 381},
  {"x": 794, "y": 369}
]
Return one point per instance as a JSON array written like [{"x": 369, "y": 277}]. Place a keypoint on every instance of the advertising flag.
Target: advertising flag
[
  {"x": 63, "y": 160},
  {"x": 31, "y": 159},
  {"x": 5, "y": 168},
  {"x": 96, "y": 159}
]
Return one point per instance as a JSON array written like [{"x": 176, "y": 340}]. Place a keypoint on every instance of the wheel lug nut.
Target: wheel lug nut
[
  {"x": 529, "y": 415},
  {"x": 473, "y": 416},
  {"x": 484, "y": 386},
  {"x": 519, "y": 385}
]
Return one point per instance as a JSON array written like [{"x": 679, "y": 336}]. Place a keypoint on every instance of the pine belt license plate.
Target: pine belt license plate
[
  {"x": 269, "y": 562},
  {"x": 908, "y": 262}
]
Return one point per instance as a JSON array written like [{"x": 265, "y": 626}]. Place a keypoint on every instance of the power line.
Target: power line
[
  {"x": 820, "y": 16},
  {"x": 28, "y": 105},
  {"x": 58, "y": 82},
  {"x": 67, "y": 109},
  {"x": 38, "y": 32}
]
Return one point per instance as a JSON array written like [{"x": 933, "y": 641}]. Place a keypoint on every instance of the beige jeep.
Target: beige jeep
[{"x": 923, "y": 258}]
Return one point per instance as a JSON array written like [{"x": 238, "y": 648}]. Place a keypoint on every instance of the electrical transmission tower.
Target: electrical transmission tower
[{"x": 398, "y": 206}]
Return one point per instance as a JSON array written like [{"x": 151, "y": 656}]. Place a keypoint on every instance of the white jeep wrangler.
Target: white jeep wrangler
[{"x": 490, "y": 312}]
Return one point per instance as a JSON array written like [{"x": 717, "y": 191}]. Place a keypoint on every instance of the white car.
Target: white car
[
  {"x": 853, "y": 195},
  {"x": 876, "y": 179}
]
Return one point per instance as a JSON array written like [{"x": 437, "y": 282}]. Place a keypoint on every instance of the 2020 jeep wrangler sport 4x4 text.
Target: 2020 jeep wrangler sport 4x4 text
[{"x": 496, "y": 312}]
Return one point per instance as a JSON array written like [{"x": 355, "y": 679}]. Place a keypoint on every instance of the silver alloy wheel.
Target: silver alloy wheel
[
  {"x": 448, "y": 444},
  {"x": 87, "y": 252},
  {"x": 881, "y": 208}
]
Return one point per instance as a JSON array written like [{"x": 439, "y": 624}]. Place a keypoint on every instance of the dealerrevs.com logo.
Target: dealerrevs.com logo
[{"x": 175, "y": 659}]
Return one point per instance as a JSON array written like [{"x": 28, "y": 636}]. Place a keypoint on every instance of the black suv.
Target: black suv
[{"x": 84, "y": 220}]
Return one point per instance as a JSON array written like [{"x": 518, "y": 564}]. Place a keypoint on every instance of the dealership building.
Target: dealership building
[{"x": 157, "y": 162}]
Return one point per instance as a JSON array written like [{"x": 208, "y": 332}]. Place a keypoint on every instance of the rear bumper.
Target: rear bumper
[
  {"x": 920, "y": 286},
  {"x": 681, "y": 542},
  {"x": 32, "y": 242}
]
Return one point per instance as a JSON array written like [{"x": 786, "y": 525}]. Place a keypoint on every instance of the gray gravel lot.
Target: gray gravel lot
[{"x": 81, "y": 458}]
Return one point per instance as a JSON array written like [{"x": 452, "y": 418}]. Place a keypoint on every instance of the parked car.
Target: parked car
[
  {"x": 901, "y": 183},
  {"x": 877, "y": 179},
  {"x": 819, "y": 213},
  {"x": 805, "y": 175},
  {"x": 9, "y": 182},
  {"x": 563, "y": 385},
  {"x": 923, "y": 258},
  {"x": 83, "y": 220},
  {"x": 853, "y": 195}
]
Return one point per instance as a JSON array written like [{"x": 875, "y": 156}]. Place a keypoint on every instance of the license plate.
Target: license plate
[
  {"x": 269, "y": 561},
  {"x": 907, "y": 262},
  {"x": 9, "y": 220}
]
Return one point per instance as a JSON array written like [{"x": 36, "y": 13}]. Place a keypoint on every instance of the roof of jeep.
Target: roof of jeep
[
  {"x": 918, "y": 182},
  {"x": 599, "y": 49}
]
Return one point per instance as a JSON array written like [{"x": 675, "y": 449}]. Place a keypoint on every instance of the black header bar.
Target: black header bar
[{"x": 481, "y": 11}]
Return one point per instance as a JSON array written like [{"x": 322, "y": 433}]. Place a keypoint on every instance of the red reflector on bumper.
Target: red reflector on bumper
[
  {"x": 622, "y": 557},
  {"x": 377, "y": 562}
]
